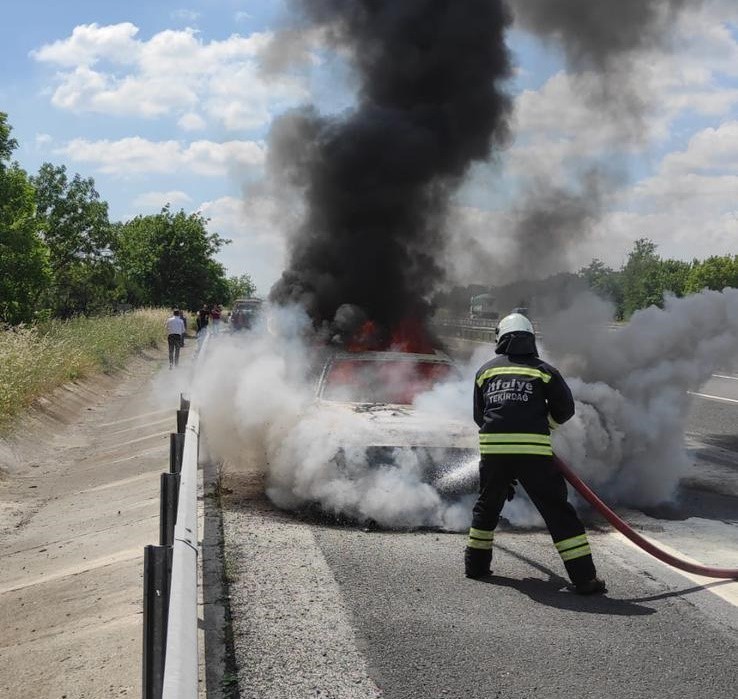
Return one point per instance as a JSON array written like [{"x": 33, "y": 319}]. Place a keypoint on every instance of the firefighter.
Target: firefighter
[{"x": 518, "y": 398}]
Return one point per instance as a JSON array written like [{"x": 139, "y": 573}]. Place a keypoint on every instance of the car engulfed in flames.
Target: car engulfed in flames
[{"x": 379, "y": 389}]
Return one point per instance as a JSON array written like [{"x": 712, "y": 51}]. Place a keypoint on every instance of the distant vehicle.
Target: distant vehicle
[
  {"x": 482, "y": 306},
  {"x": 244, "y": 313}
]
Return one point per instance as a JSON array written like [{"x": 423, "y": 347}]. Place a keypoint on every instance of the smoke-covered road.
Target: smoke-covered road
[
  {"x": 714, "y": 417},
  {"x": 335, "y": 611}
]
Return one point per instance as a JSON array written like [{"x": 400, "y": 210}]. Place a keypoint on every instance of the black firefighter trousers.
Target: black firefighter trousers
[
  {"x": 547, "y": 490},
  {"x": 174, "y": 340}
]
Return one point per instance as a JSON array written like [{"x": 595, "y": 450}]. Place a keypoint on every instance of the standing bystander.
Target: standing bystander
[
  {"x": 175, "y": 334},
  {"x": 215, "y": 317},
  {"x": 202, "y": 325},
  {"x": 203, "y": 316}
]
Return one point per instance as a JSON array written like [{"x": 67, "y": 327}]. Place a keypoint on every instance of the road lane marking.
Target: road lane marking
[
  {"x": 709, "y": 397},
  {"x": 725, "y": 376},
  {"x": 728, "y": 591}
]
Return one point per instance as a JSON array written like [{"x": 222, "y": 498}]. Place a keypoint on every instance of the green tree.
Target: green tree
[
  {"x": 715, "y": 272},
  {"x": 673, "y": 276},
  {"x": 605, "y": 282},
  {"x": 641, "y": 284},
  {"x": 240, "y": 287},
  {"x": 167, "y": 259},
  {"x": 75, "y": 226},
  {"x": 24, "y": 266}
]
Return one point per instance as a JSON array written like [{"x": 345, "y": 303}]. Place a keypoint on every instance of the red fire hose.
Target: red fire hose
[{"x": 623, "y": 528}]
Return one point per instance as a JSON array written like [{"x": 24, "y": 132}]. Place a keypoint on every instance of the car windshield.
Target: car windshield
[{"x": 381, "y": 381}]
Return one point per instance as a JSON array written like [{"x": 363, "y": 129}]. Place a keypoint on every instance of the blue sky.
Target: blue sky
[{"x": 164, "y": 102}]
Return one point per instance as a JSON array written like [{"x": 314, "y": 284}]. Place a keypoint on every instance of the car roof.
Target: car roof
[{"x": 390, "y": 356}]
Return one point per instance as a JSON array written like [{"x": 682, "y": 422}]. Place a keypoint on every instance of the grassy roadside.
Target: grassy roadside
[{"x": 37, "y": 359}]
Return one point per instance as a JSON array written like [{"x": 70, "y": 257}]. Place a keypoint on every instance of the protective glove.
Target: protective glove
[{"x": 511, "y": 489}]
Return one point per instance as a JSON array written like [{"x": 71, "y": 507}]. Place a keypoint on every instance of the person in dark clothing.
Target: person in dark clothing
[
  {"x": 518, "y": 398},
  {"x": 203, "y": 318}
]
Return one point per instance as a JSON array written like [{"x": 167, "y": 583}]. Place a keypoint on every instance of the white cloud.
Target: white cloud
[
  {"x": 138, "y": 155},
  {"x": 483, "y": 247},
  {"x": 156, "y": 200},
  {"x": 241, "y": 16},
  {"x": 557, "y": 125},
  {"x": 90, "y": 43},
  {"x": 43, "y": 139},
  {"x": 191, "y": 122},
  {"x": 687, "y": 191},
  {"x": 258, "y": 244},
  {"x": 108, "y": 70},
  {"x": 712, "y": 149},
  {"x": 87, "y": 90},
  {"x": 241, "y": 99},
  {"x": 259, "y": 215},
  {"x": 560, "y": 110},
  {"x": 683, "y": 233}
]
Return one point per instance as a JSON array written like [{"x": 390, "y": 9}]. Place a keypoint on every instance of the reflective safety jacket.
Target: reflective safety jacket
[{"x": 517, "y": 399}]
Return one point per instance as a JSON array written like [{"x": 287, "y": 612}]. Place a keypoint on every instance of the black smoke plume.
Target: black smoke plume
[
  {"x": 604, "y": 37},
  {"x": 603, "y": 42},
  {"x": 596, "y": 33},
  {"x": 377, "y": 180}
]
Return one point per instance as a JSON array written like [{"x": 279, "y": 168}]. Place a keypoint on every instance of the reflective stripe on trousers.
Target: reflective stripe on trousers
[
  {"x": 574, "y": 547},
  {"x": 480, "y": 539}
]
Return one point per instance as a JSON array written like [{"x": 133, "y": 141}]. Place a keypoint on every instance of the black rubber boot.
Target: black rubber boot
[
  {"x": 595, "y": 586},
  {"x": 477, "y": 562}
]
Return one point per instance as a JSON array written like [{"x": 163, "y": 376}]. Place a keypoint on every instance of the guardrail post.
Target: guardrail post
[
  {"x": 168, "y": 507},
  {"x": 182, "y": 420},
  {"x": 176, "y": 449},
  {"x": 157, "y": 573}
]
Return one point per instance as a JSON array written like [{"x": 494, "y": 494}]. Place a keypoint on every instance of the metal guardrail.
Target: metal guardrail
[
  {"x": 159, "y": 562},
  {"x": 479, "y": 330},
  {"x": 170, "y": 623},
  {"x": 170, "y": 660},
  {"x": 181, "y": 661},
  {"x": 467, "y": 322}
]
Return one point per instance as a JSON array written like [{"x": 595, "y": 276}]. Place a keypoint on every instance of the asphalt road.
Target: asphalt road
[{"x": 335, "y": 611}]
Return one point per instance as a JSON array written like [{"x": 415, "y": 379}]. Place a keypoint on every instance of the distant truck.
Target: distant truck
[{"x": 482, "y": 306}]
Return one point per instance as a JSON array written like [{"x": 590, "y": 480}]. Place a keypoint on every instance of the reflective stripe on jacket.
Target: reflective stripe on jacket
[{"x": 516, "y": 398}]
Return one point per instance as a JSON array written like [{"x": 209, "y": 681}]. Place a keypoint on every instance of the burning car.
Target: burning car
[{"x": 378, "y": 388}]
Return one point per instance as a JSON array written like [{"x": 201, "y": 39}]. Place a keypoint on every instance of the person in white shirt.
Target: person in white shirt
[{"x": 175, "y": 336}]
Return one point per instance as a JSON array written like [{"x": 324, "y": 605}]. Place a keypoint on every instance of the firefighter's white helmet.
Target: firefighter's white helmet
[{"x": 515, "y": 322}]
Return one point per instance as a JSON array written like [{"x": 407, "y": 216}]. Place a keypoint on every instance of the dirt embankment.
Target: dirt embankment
[{"x": 79, "y": 499}]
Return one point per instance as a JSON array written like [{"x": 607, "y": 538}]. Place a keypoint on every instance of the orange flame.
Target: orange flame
[{"x": 409, "y": 335}]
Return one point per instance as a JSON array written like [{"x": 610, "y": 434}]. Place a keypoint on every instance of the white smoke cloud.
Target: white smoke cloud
[
  {"x": 256, "y": 393},
  {"x": 630, "y": 385}
]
